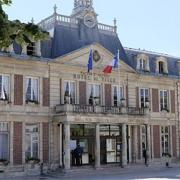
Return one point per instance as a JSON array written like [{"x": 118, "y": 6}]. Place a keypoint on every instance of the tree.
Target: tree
[{"x": 15, "y": 31}]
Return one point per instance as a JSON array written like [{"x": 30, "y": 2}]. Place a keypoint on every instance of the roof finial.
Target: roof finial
[
  {"x": 55, "y": 9},
  {"x": 115, "y": 25},
  {"x": 115, "y": 22},
  {"x": 32, "y": 20}
]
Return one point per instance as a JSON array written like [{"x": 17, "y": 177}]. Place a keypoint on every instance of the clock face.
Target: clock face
[{"x": 89, "y": 20}]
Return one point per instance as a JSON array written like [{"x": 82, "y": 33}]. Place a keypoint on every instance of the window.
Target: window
[
  {"x": 94, "y": 94},
  {"x": 4, "y": 141},
  {"x": 69, "y": 92},
  {"x": 142, "y": 64},
  {"x": 143, "y": 137},
  {"x": 31, "y": 49},
  {"x": 165, "y": 139},
  {"x": 164, "y": 100},
  {"x": 32, "y": 141},
  {"x": 117, "y": 95},
  {"x": 32, "y": 90},
  {"x": 144, "y": 97},
  {"x": 4, "y": 87},
  {"x": 161, "y": 67}
]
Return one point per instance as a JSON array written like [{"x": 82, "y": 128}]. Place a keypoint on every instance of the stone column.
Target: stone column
[
  {"x": 60, "y": 146},
  {"x": 135, "y": 148},
  {"x": 97, "y": 147},
  {"x": 67, "y": 163},
  {"x": 124, "y": 146},
  {"x": 11, "y": 142},
  {"x": 148, "y": 143}
]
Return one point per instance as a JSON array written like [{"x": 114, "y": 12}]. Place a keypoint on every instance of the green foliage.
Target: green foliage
[{"x": 17, "y": 31}]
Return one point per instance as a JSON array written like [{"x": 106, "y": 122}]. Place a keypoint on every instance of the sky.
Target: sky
[{"x": 153, "y": 25}]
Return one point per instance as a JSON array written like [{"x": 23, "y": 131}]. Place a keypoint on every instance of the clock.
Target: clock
[{"x": 89, "y": 20}]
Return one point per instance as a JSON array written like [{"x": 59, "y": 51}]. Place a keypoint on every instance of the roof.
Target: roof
[
  {"x": 173, "y": 69},
  {"x": 67, "y": 39}
]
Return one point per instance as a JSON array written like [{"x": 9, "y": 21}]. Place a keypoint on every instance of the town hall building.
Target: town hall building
[{"x": 50, "y": 104}]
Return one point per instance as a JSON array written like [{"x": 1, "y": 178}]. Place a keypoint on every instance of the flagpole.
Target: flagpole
[{"x": 119, "y": 75}]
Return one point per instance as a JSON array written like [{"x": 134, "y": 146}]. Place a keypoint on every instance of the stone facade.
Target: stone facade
[{"x": 54, "y": 105}]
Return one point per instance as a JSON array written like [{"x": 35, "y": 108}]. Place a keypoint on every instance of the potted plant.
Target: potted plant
[
  {"x": 123, "y": 102},
  {"x": 167, "y": 159},
  {"x": 30, "y": 101},
  {"x": 4, "y": 162}
]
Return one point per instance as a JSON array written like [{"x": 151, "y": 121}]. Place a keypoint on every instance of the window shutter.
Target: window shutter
[
  {"x": 82, "y": 93},
  {"x": 108, "y": 95},
  {"x": 155, "y": 100},
  {"x": 172, "y": 101},
  {"x": 156, "y": 139},
  {"x": 18, "y": 89},
  {"x": 17, "y": 143},
  {"x": 46, "y": 92},
  {"x": 137, "y": 97}
]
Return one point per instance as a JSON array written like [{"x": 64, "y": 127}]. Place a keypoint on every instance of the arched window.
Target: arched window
[
  {"x": 143, "y": 62},
  {"x": 161, "y": 65}
]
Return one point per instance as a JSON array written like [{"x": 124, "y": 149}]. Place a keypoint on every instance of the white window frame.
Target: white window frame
[
  {"x": 100, "y": 93},
  {"x": 120, "y": 94},
  {"x": 143, "y": 62},
  {"x": 164, "y": 134},
  {"x": 163, "y": 108},
  {"x": 32, "y": 135},
  {"x": 69, "y": 93},
  {"x": 165, "y": 65},
  {"x": 8, "y": 93},
  {"x": 38, "y": 88},
  {"x": 144, "y": 96}
]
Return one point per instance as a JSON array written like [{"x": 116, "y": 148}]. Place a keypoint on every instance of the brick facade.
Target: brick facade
[
  {"x": 155, "y": 100},
  {"x": 156, "y": 140},
  {"x": 18, "y": 90},
  {"x": 46, "y": 92},
  {"x": 108, "y": 92},
  {"x": 45, "y": 142},
  {"x": 17, "y": 143},
  {"x": 174, "y": 141},
  {"x": 172, "y": 101},
  {"x": 82, "y": 93}
]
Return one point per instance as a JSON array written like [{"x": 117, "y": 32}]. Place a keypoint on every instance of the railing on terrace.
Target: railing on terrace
[
  {"x": 68, "y": 108},
  {"x": 57, "y": 18}
]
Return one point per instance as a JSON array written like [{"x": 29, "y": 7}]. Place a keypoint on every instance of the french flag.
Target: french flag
[{"x": 113, "y": 65}]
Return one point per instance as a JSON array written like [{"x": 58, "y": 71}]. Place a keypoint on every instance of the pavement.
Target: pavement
[{"x": 132, "y": 172}]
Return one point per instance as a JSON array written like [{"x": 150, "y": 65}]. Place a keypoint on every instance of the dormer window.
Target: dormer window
[
  {"x": 142, "y": 62},
  {"x": 31, "y": 50},
  {"x": 161, "y": 66}
]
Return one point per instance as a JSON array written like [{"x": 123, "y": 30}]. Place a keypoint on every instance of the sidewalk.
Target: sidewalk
[{"x": 106, "y": 170}]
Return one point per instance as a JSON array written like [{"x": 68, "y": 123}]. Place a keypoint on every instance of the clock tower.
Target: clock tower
[{"x": 83, "y": 9}]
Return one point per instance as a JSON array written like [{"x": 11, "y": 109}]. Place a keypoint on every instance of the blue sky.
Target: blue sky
[{"x": 147, "y": 24}]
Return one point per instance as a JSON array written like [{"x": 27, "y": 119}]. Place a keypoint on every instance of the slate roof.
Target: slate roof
[
  {"x": 173, "y": 69},
  {"x": 67, "y": 39}
]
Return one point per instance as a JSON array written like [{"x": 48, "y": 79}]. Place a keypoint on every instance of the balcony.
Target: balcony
[{"x": 88, "y": 109}]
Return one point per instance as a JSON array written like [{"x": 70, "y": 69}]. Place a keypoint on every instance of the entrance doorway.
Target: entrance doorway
[
  {"x": 82, "y": 144},
  {"x": 111, "y": 144}
]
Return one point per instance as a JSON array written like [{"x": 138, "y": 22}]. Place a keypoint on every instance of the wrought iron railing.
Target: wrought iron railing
[{"x": 85, "y": 109}]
